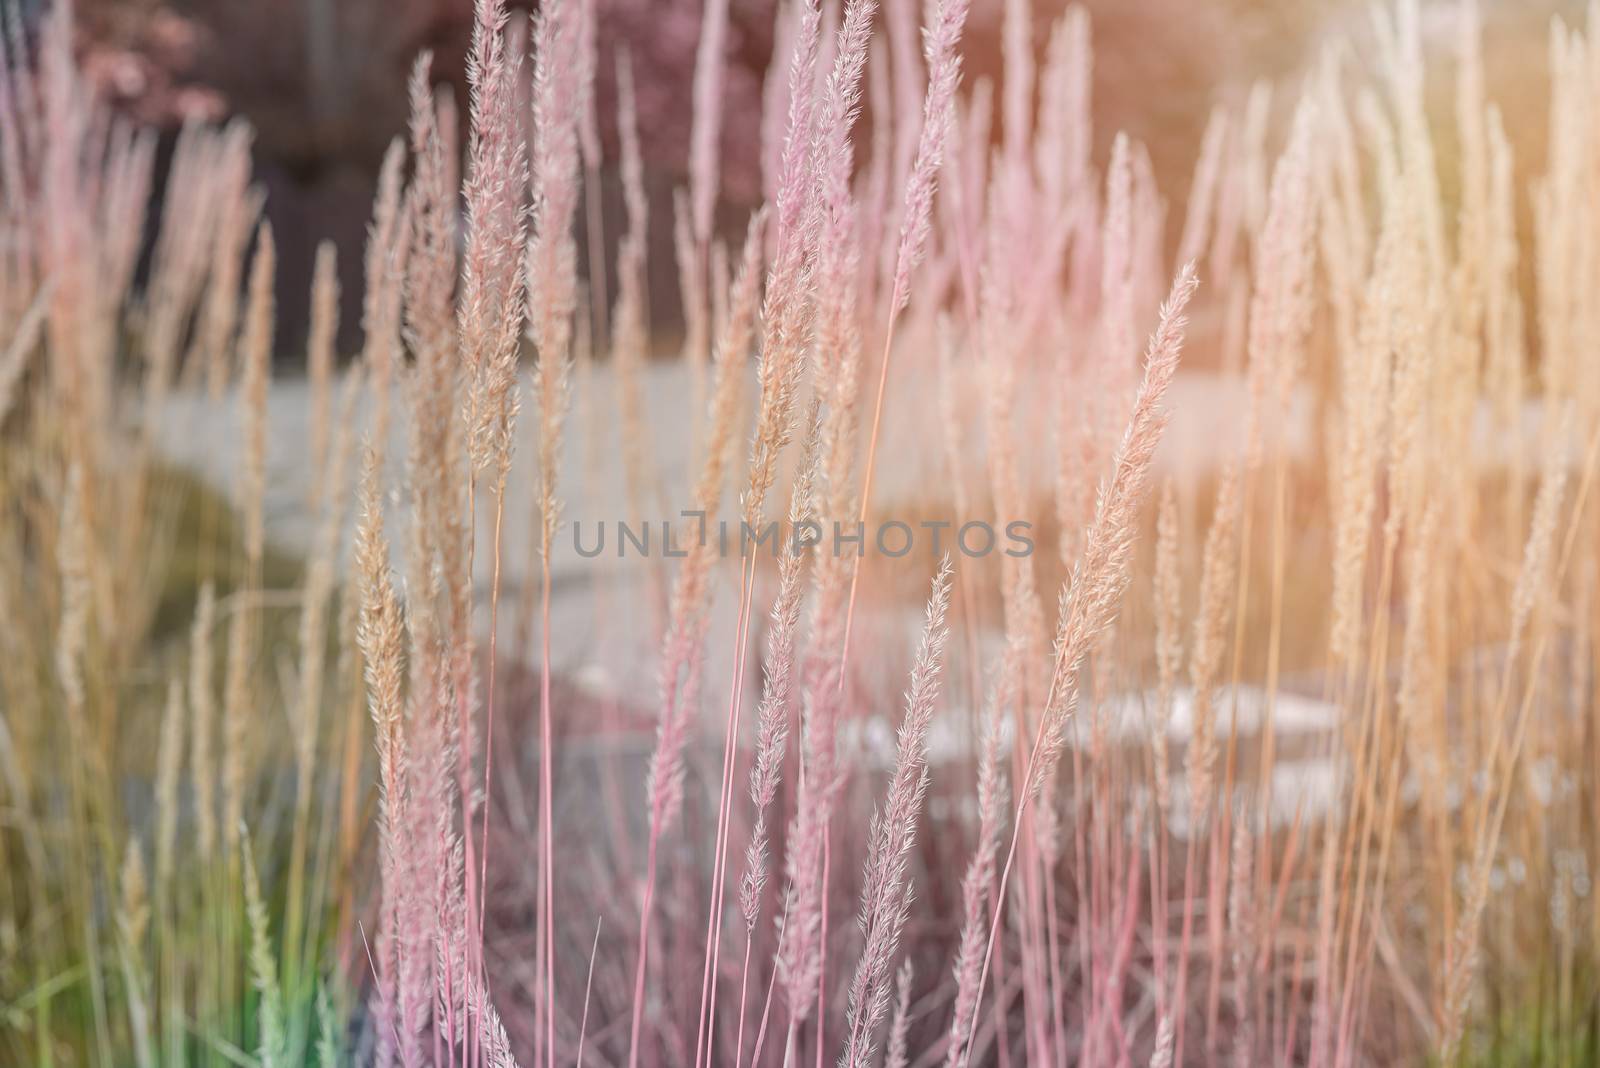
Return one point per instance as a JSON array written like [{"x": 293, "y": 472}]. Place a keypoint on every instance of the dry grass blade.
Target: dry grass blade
[{"x": 886, "y": 889}]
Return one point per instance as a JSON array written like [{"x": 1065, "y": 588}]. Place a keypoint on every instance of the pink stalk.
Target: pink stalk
[
  {"x": 706, "y": 127},
  {"x": 489, "y": 322},
  {"x": 708, "y": 1004},
  {"x": 588, "y": 120},
  {"x": 837, "y": 345},
  {"x": 766, "y": 1008},
  {"x": 785, "y": 317},
  {"x": 822, "y": 946},
  {"x": 380, "y": 634},
  {"x": 886, "y": 895},
  {"x": 696, "y": 211},
  {"x": 777, "y": 699},
  {"x": 1123, "y": 952},
  {"x": 977, "y": 883},
  {"x": 1217, "y": 589},
  {"x": 908, "y": 84},
  {"x": 684, "y": 642},
  {"x": 552, "y": 297},
  {"x": 546, "y": 807},
  {"x": 830, "y": 171},
  {"x": 1093, "y": 594},
  {"x": 1017, "y": 53},
  {"x": 1065, "y": 125},
  {"x": 942, "y": 38}
]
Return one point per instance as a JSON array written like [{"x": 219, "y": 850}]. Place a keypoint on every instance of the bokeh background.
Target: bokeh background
[{"x": 322, "y": 83}]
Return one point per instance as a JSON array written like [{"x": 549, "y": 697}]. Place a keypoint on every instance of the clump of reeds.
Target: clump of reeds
[{"x": 1362, "y": 590}]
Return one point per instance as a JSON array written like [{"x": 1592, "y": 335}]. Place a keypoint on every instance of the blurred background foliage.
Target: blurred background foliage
[{"x": 321, "y": 82}]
